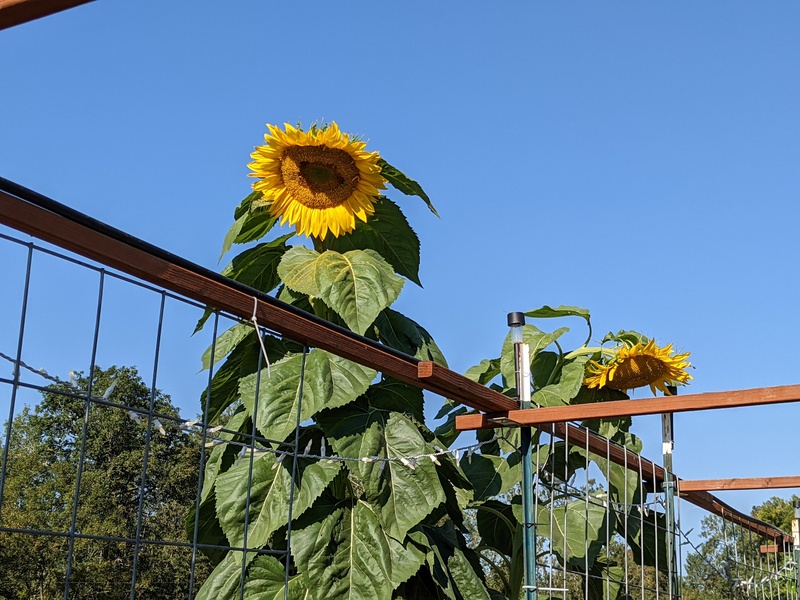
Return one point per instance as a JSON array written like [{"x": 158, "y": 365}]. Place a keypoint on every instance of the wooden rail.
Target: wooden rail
[
  {"x": 48, "y": 220},
  {"x": 17, "y": 12},
  {"x": 624, "y": 408},
  {"x": 750, "y": 483}
]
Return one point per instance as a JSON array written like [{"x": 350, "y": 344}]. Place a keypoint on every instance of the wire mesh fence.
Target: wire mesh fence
[{"x": 112, "y": 435}]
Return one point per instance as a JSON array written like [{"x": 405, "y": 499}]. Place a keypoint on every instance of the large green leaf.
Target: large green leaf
[
  {"x": 577, "y": 527},
  {"x": 467, "y": 581},
  {"x": 258, "y": 266},
  {"x": 242, "y": 361},
  {"x": 568, "y": 386},
  {"x": 225, "y": 580},
  {"x": 225, "y": 343},
  {"x": 402, "y": 183},
  {"x": 266, "y": 581},
  {"x": 251, "y": 223},
  {"x": 546, "y": 312},
  {"x": 484, "y": 371},
  {"x": 345, "y": 555},
  {"x": 357, "y": 285},
  {"x": 401, "y": 333},
  {"x": 647, "y": 536},
  {"x": 537, "y": 341},
  {"x": 399, "y": 396},
  {"x": 404, "y": 496},
  {"x": 389, "y": 234},
  {"x": 489, "y": 475},
  {"x": 270, "y": 487},
  {"x": 329, "y": 381},
  {"x": 497, "y": 525}
]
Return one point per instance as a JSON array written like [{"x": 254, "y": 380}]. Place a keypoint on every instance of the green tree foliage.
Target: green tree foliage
[
  {"x": 777, "y": 511},
  {"x": 729, "y": 555},
  {"x": 44, "y": 454}
]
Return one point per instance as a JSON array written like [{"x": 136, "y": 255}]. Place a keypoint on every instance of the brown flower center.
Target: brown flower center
[
  {"x": 636, "y": 371},
  {"x": 318, "y": 176}
]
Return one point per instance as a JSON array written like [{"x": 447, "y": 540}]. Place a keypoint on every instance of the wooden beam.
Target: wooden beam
[
  {"x": 17, "y": 12},
  {"x": 134, "y": 257},
  {"x": 647, "y": 406},
  {"x": 450, "y": 380},
  {"x": 750, "y": 483}
]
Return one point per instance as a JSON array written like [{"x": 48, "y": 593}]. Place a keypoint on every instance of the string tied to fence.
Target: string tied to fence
[{"x": 254, "y": 319}]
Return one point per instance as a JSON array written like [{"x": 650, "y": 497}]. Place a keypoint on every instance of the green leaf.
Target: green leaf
[
  {"x": 447, "y": 406},
  {"x": 581, "y": 527},
  {"x": 467, "y": 581},
  {"x": 404, "y": 496},
  {"x": 490, "y": 475},
  {"x": 358, "y": 284},
  {"x": 225, "y": 580},
  {"x": 241, "y": 362},
  {"x": 258, "y": 266},
  {"x": 547, "y": 312},
  {"x": 223, "y": 456},
  {"x": 266, "y": 581},
  {"x": 201, "y": 322},
  {"x": 447, "y": 431},
  {"x": 395, "y": 395},
  {"x": 646, "y": 537},
  {"x": 329, "y": 381},
  {"x": 537, "y": 341},
  {"x": 388, "y": 233},
  {"x": 270, "y": 487},
  {"x": 496, "y": 526},
  {"x": 225, "y": 343},
  {"x": 401, "y": 333},
  {"x": 542, "y": 368},
  {"x": 556, "y": 394},
  {"x": 484, "y": 371},
  {"x": 404, "y": 184},
  {"x": 347, "y": 556},
  {"x": 626, "y": 337},
  {"x": 251, "y": 223}
]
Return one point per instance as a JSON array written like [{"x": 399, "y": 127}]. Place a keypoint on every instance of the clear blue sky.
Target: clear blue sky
[{"x": 640, "y": 160}]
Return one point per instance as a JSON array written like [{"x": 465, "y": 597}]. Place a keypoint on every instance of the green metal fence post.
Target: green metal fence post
[
  {"x": 523, "y": 368},
  {"x": 668, "y": 443},
  {"x": 796, "y": 536}
]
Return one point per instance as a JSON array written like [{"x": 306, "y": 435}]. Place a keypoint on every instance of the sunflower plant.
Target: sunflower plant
[
  {"x": 368, "y": 530},
  {"x": 620, "y": 363}
]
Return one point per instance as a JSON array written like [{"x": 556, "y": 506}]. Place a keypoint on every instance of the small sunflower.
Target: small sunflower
[
  {"x": 640, "y": 365},
  {"x": 319, "y": 180}
]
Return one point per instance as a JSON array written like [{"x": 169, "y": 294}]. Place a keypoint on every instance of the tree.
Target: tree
[
  {"x": 44, "y": 455},
  {"x": 729, "y": 554}
]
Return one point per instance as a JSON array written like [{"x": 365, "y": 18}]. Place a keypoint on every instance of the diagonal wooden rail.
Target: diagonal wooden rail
[
  {"x": 17, "y": 12},
  {"x": 48, "y": 220}
]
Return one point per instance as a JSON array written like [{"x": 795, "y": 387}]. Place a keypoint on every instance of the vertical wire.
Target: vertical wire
[
  {"x": 294, "y": 476},
  {"x": 550, "y": 508},
  {"x": 753, "y": 565},
  {"x": 625, "y": 514},
  {"x": 642, "y": 504},
  {"x": 15, "y": 386},
  {"x": 252, "y": 449},
  {"x": 201, "y": 469},
  {"x": 654, "y": 510},
  {"x": 608, "y": 514},
  {"x": 84, "y": 435},
  {"x": 535, "y": 490},
  {"x": 147, "y": 439},
  {"x": 677, "y": 505},
  {"x": 586, "y": 509},
  {"x": 565, "y": 486}
]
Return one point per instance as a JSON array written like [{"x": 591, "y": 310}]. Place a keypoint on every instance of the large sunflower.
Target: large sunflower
[
  {"x": 319, "y": 180},
  {"x": 640, "y": 365}
]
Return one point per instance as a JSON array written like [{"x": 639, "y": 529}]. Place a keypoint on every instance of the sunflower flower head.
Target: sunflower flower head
[
  {"x": 318, "y": 181},
  {"x": 640, "y": 365}
]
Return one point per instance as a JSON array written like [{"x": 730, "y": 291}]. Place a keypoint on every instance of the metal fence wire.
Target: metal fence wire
[{"x": 103, "y": 460}]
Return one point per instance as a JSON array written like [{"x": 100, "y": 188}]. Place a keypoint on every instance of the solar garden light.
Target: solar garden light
[{"x": 522, "y": 362}]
